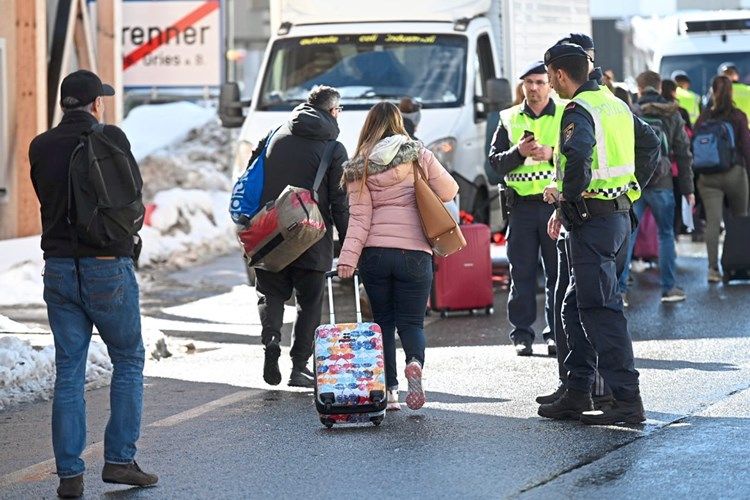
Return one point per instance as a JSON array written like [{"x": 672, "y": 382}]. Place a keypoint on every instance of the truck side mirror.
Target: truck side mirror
[
  {"x": 499, "y": 95},
  {"x": 230, "y": 105}
]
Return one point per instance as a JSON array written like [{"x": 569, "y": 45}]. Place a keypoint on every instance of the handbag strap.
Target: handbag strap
[
  {"x": 322, "y": 168},
  {"x": 418, "y": 171}
]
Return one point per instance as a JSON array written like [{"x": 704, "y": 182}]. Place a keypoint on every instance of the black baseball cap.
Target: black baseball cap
[
  {"x": 535, "y": 68},
  {"x": 83, "y": 86},
  {"x": 564, "y": 49},
  {"x": 582, "y": 39}
]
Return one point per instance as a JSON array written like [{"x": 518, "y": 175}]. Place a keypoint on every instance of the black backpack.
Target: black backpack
[
  {"x": 104, "y": 191},
  {"x": 664, "y": 166}
]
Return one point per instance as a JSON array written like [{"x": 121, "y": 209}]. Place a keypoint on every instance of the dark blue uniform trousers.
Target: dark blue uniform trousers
[
  {"x": 563, "y": 279},
  {"x": 527, "y": 234},
  {"x": 592, "y": 311}
]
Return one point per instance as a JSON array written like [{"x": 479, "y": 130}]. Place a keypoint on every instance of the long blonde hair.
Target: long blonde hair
[{"x": 383, "y": 120}]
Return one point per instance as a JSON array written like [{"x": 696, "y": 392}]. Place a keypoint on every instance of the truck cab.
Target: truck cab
[{"x": 445, "y": 57}]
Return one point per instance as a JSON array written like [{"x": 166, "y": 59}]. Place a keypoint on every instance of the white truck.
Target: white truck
[
  {"x": 454, "y": 56},
  {"x": 701, "y": 42}
]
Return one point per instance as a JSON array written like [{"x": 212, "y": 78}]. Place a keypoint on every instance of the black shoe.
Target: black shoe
[
  {"x": 551, "y": 347},
  {"x": 70, "y": 487},
  {"x": 271, "y": 373},
  {"x": 129, "y": 474},
  {"x": 603, "y": 402},
  {"x": 551, "y": 398},
  {"x": 569, "y": 407},
  {"x": 628, "y": 412},
  {"x": 304, "y": 369},
  {"x": 299, "y": 378},
  {"x": 524, "y": 348}
]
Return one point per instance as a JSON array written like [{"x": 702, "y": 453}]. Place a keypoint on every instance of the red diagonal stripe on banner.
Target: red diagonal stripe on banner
[{"x": 180, "y": 26}]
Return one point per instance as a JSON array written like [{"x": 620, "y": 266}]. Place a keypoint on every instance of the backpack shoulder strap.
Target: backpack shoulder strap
[
  {"x": 98, "y": 127},
  {"x": 323, "y": 167}
]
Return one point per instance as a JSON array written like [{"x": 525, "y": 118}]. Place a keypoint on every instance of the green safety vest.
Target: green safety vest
[
  {"x": 741, "y": 97},
  {"x": 690, "y": 101},
  {"x": 533, "y": 176},
  {"x": 613, "y": 157}
]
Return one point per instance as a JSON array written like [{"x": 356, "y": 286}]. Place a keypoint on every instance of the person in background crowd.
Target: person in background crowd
[
  {"x": 669, "y": 92},
  {"x": 623, "y": 94},
  {"x": 519, "y": 95},
  {"x": 292, "y": 158},
  {"x": 609, "y": 79},
  {"x": 385, "y": 238},
  {"x": 605, "y": 154},
  {"x": 740, "y": 91},
  {"x": 410, "y": 111},
  {"x": 87, "y": 285},
  {"x": 732, "y": 184},
  {"x": 525, "y": 163},
  {"x": 688, "y": 100},
  {"x": 658, "y": 194}
]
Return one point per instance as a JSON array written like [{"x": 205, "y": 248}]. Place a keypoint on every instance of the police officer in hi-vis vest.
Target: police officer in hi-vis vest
[
  {"x": 604, "y": 155},
  {"x": 521, "y": 153}
]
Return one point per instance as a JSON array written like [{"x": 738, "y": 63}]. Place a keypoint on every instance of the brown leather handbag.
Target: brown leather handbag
[{"x": 439, "y": 226}]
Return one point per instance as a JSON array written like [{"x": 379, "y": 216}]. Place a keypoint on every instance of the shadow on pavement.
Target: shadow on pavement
[{"x": 676, "y": 364}]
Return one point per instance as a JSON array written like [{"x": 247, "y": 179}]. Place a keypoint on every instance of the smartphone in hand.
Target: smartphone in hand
[{"x": 528, "y": 133}]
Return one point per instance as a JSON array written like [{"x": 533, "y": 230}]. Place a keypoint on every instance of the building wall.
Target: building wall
[{"x": 9, "y": 203}]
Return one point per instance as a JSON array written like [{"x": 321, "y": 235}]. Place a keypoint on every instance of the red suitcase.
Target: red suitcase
[{"x": 463, "y": 280}]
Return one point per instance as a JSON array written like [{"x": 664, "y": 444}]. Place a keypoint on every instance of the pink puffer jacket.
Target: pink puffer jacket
[{"x": 382, "y": 210}]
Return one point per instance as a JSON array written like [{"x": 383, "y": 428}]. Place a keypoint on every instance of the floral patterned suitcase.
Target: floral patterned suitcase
[{"x": 349, "y": 368}]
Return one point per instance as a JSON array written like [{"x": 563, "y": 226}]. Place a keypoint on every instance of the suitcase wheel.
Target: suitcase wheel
[
  {"x": 490, "y": 311},
  {"x": 377, "y": 420},
  {"x": 727, "y": 277},
  {"x": 443, "y": 314},
  {"x": 327, "y": 422}
]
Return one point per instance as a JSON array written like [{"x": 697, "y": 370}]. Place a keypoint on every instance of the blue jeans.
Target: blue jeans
[
  {"x": 103, "y": 292},
  {"x": 662, "y": 206},
  {"x": 398, "y": 284}
]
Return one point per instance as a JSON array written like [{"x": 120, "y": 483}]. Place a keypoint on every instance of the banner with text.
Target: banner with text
[{"x": 170, "y": 43}]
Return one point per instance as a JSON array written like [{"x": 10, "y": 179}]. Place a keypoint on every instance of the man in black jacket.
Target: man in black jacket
[
  {"x": 87, "y": 285},
  {"x": 666, "y": 120},
  {"x": 292, "y": 158}
]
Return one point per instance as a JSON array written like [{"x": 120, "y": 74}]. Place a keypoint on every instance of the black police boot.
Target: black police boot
[
  {"x": 628, "y": 412},
  {"x": 568, "y": 407},
  {"x": 602, "y": 402},
  {"x": 523, "y": 348},
  {"x": 551, "y": 398},
  {"x": 271, "y": 373}
]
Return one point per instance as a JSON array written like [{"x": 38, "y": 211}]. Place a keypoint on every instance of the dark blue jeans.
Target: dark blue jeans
[
  {"x": 662, "y": 206},
  {"x": 592, "y": 310},
  {"x": 103, "y": 292},
  {"x": 398, "y": 284}
]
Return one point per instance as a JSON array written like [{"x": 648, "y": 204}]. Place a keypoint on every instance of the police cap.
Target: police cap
[
  {"x": 535, "y": 68},
  {"x": 564, "y": 49},
  {"x": 582, "y": 39}
]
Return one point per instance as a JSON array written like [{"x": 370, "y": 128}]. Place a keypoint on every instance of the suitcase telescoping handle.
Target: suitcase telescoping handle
[{"x": 329, "y": 278}]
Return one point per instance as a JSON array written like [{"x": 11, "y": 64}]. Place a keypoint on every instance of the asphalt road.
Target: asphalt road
[{"x": 213, "y": 429}]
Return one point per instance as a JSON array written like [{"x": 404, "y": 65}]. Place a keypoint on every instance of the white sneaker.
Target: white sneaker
[{"x": 393, "y": 404}]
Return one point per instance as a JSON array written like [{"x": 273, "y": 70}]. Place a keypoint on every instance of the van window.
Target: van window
[
  {"x": 367, "y": 68},
  {"x": 701, "y": 68},
  {"x": 484, "y": 68}
]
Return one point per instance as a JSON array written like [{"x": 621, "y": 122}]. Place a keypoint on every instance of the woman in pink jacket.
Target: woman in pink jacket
[{"x": 385, "y": 238}]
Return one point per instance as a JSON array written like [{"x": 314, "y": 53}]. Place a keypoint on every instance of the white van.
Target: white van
[
  {"x": 446, "y": 54},
  {"x": 443, "y": 58},
  {"x": 702, "y": 42}
]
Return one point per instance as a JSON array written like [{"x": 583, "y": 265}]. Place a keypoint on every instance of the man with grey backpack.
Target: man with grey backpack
[
  {"x": 665, "y": 119},
  {"x": 89, "y": 190}
]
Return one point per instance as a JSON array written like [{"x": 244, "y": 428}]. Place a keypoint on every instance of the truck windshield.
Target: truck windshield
[
  {"x": 367, "y": 68},
  {"x": 701, "y": 68}
]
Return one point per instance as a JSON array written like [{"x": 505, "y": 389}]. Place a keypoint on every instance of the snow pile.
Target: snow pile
[
  {"x": 7, "y": 325},
  {"x": 202, "y": 161},
  {"x": 154, "y": 126},
  {"x": 185, "y": 225},
  {"x": 28, "y": 374},
  {"x": 22, "y": 282}
]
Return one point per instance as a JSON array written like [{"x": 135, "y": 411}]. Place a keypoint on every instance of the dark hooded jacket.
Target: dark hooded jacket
[
  {"x": 651, "y": 103},
  {"x": 292, "y": 159}
]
